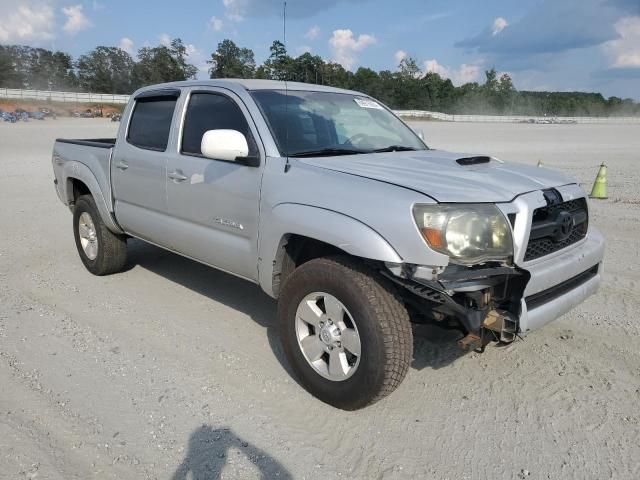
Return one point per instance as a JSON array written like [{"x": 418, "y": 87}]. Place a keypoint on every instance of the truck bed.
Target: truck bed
[{"x": 69, "y": 155}]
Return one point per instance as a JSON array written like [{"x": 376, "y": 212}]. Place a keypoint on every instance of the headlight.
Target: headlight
[{"x": 468, "y": 234}]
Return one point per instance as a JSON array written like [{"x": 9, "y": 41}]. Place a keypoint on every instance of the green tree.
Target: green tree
[
  {"x": 506, "y": 93},
  {"x": 367, "y": 81},
  {"x": 279, "y": 64},
  {"x": 105, "y": 70},
  {"x": 162, "y": 64},
  {"x": 109, "y": 69},
  {"x": 335, "y": 75},
  {"x": 231, "y": 61},
  {"x": 49, "y": 69},
  {"x": 491, "y": 80},
  {"x": 409, "y": 92},
  {"x": 306, "y": 68},
  {"x": 10, "y": 77},
  {"x": 408, "y": 68},
  {"x": 37, "y": 68}
]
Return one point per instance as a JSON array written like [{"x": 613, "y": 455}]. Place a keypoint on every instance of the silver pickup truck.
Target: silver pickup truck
[{"x": 342, "y": 213}]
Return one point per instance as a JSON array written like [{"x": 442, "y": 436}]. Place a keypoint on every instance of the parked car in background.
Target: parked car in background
[
  {"x": 342, "y": 213},
  {"x": 9, "y": 117},
  {"x": 36, "y": 115},
  {"x": 49, "y": 113}
]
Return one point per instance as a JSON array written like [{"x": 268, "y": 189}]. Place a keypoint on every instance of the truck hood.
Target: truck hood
[{"x": 439, "y": 175}]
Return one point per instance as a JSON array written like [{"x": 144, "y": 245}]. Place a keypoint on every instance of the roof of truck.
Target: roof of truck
[{"x": 252, "y": 84}]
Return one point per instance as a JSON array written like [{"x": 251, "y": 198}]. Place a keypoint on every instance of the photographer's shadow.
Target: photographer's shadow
[{"x": 211, "y": 449}]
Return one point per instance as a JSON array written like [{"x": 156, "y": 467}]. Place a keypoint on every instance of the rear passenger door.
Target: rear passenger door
[
  {"x": 139, "y": 166},
  {"x": 213, "y": 204}
]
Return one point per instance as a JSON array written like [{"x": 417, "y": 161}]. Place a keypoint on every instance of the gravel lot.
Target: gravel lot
[{"x": 173, "y": 370}]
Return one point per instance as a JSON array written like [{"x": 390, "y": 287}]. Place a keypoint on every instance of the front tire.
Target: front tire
[
  {"x": 344, "y": 331},
  {"x": 101, "y": 251}
]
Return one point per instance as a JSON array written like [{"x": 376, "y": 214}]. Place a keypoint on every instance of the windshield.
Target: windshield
[{"x": 306, "y": 123}]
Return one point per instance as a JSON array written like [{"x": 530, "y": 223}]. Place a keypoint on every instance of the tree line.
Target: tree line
[{"x": 112, "y": 70}]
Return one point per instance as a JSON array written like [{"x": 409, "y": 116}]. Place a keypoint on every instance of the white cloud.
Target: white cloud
[
  {"x": 29, "y": 22},
  {"x": 345, "y": 46},
  {"x": 499, "y": 24},
  {"x": 165, "y": 40},
  {"x": 303, "y": 49},
  {"x": 434, "y": 67},
  {"x": 126, "y": 44},
  {"x": 235, "y": 9},
  {"x": 625, "y": 51},
  {"x": 216, "y": 24},
  {"x": 312, "y": 33},
  {"x": 399, "y": 56},
  {"x": 196, "y": 57},
  {"x": 76, "y": 19},
  {"x": 465, "y": 73}
]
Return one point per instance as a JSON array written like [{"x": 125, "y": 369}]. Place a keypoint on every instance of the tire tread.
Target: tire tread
[{"x": 112, "y": 248}]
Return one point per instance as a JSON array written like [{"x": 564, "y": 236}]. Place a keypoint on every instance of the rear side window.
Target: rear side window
[
  {"x": 151, "y": 122},
  {"x": 211, "y": 111}
]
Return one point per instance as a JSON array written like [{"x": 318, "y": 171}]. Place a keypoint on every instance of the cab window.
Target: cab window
[
  {"x": 151, "y": 122},
  {"x": 212, "y": 111}
]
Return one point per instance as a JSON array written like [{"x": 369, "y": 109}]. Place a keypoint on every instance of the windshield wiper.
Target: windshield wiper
[
  {"x": 394, "y": 148},
  {"x": 327, "y": 152}
]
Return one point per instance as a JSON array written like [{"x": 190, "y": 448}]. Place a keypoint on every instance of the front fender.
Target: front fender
[
  {"x": 73, "y": 170},
  {"x": 334, "y": 228}
]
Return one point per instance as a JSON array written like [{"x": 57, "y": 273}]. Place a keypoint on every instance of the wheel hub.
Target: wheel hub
[
  {"x": 330, "y": 335},
  {"x": 88, "y": 236}
]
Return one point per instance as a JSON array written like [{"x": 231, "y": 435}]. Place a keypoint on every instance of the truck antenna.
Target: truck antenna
[
  {"x": 284, "y": 24},
  {"x": 287, "y": 165}
]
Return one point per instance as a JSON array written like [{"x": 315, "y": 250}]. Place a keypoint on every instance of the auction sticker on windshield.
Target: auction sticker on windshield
[{"x": 366, "y": 103}]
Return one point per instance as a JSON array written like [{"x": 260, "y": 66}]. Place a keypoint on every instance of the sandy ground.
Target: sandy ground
[{"x": 173, "y": 370}]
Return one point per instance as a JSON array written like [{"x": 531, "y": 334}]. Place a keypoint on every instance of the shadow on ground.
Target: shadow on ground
[
  {"x": 434, "y": 347},
  {"x": 212, "y": 450}
]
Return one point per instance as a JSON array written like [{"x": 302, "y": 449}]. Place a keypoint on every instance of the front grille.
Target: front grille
[{"x": 545, "y": 237}]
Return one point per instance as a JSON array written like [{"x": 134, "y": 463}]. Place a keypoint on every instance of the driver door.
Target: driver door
[{"x": 214, "y": 203}]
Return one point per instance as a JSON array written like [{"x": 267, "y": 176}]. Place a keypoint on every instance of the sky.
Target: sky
[{"x": 560, "y": 45}]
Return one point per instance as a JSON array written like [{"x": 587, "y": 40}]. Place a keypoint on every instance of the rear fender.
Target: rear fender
[
  {"x": 333, "y": 228},
  {"x": 71, "y": 171}
]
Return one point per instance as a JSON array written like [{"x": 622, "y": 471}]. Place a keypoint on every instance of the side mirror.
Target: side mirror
[
  {"x": 419, "y": 132},
  {"x": 224, "y": 145}
]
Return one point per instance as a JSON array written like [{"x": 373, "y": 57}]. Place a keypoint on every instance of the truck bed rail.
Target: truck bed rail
[{"x": 89, "y": 142}]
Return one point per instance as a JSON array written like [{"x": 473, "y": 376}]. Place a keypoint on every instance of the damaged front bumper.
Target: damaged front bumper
[
  {"x": 500, "y": 302},
  {"x": 561, "y": 283}
]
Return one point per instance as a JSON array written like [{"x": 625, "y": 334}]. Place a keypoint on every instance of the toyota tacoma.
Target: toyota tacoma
[{"x": 339, "y": 211}]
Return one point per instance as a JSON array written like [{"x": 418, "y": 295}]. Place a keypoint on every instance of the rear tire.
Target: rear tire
[
  {"x": 102, "y": 251},
  {"x": 369, "y": 310}
]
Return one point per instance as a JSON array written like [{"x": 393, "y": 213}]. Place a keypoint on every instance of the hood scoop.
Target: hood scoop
[{"x": 468, "y": 161}]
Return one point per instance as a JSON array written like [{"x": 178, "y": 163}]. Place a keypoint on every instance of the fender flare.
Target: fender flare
[
  {"x": 73, "y": 170},
  {"x": 331, "y": 227}
]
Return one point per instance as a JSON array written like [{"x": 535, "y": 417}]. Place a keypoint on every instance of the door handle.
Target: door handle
[
  {"x": 122, "y": 165},
  {"x": 177, "y": 176}
]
